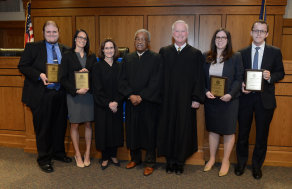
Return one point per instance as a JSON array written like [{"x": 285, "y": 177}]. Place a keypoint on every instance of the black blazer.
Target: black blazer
[
  {"x": 69, "y": 64},
  {"x": 233, "y": 70},
  {"x": 272, "y": 61},
  {"x": 32, "y": 63}
]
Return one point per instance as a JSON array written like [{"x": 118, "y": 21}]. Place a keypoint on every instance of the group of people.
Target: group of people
[{"x": 162, "y": 92}]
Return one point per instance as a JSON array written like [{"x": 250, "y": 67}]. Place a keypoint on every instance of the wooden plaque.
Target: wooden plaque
[
  {"x": 81, "y": 79},
  {"x": 53, "y": 73},
  {"x": 218, "y": 85}
]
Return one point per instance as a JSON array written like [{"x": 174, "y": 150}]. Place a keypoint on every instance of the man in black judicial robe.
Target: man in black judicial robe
[
  {"x": 140, "y": 83},
  {"x": 182, "y": 93}
]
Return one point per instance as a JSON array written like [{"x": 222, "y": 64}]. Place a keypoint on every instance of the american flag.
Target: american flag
[
  {"x": 28, "y": 27},
  {"x": 263, "y": 11}
]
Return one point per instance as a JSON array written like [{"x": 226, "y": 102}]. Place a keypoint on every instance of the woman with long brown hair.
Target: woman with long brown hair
[
  {"x": 221, "y": 112},
  {"x": 79, "y": 101}
]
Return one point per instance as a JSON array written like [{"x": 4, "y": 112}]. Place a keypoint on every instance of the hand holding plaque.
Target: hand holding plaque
[
  {"x": 53, "y": 73},
  {"x": 218, "y": 85},
  {"x": 81, "y": 80},
  {"x": 254, "y": 80}
]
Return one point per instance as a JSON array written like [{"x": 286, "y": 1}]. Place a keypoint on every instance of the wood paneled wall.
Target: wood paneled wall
[
  {"x": 12, "y": 34},
  {"x": 121, "y": 19},
  {"x": 287, "y": 39}
]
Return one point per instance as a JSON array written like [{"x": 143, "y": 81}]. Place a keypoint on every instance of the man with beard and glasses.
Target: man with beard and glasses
[{"x": 47, "y": 101}]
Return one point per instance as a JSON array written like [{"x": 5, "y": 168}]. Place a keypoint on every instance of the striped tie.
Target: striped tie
[
  {"x": 55, "y": 60},
  {"x": 178, "y": 50}
]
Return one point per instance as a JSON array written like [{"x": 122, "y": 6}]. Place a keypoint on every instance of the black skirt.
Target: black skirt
[{"x": 221, "y": 117}]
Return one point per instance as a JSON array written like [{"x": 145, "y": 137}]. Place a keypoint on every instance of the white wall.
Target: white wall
[
  {"x": 288, "y": 11},
  {"x": 16, "y": 16}
]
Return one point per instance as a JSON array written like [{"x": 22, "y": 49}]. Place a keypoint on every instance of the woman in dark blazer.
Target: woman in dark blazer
[
  {"x": 108, "y": 103},
  {"x": 221, "y": 112},
  {"x": 79, "y": 101}
]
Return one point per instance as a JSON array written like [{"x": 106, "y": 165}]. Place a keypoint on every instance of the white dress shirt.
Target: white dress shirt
[
  {"x": 181, "y": 47},
  {"x": 261, "y": 53}
]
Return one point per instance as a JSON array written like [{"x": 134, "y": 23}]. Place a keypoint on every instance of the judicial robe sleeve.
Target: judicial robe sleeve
[
  {"x": 198, "y": 93},
  {"x": 119, "y": 98},
  {"x": 207, "y": 78},
  {"x": 123, "y": 86},
  {"x": 98, "y": 92},
  {"x": 152, "y": 92}
]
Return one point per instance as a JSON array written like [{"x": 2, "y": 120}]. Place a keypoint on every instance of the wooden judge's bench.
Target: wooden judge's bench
[{"x": 120, "y": 20}]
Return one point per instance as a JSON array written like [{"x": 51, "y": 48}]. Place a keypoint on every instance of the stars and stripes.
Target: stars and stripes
[{"x": 28, "y": 27}]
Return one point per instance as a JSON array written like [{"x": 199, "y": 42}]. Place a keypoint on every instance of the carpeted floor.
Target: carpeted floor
[{"x": 20, "y": 170}]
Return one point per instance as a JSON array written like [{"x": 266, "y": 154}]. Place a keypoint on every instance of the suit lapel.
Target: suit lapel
[
  {"x": 87, "y": 62},
  {"x": 43, "y": 52},
  {"x": 249, "y": 59},
  {"x": 62, "y": 49},
  {"x": 76, "y": 60},
  {"x": 265, "y": 56},
  {"x": 226, "y": 66}
]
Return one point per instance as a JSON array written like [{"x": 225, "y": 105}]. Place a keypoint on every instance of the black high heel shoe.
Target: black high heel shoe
[
  {"x": 116, "y": 164},
  {"x": 104, "y": 167}
]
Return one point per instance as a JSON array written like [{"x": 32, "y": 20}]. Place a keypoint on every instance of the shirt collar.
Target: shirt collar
[
  {"x": 51, "y": 45},
  {"x": 181, "y": 47},
  {"x": 262, "y": 46},
  {"x": 141, "y": 53}
]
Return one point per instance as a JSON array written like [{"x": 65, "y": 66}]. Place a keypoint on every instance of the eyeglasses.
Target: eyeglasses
[
  {"x": 221, "y": 38},
  {"x": 108, "y": 48},
  {"x": 259, "y": 31},
  {"x": 80, "y": 38},
  {"x": 141, "y": 39}
]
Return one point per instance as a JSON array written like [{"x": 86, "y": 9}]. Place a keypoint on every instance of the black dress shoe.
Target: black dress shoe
[
  {"x": 65, "y": 159},
  {"x": 239, "y": 169},
  {"x": 47, "y": 168},
  {"x": 170, "y": 168},
  {"x": 257, "y": 174},
  {"x": 179, "y": 169}
]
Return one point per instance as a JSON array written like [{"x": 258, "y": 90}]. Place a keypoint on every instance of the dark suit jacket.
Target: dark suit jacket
[
  {"x": 272, "y": 61},
  {"x": 233, "y": 70},
  {"x": 32, "y": 63},
  {"x": 69, "y": 64}
]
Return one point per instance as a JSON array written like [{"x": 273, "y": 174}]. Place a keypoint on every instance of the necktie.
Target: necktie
[
  {"x": 55, "y": 60},
  {"x": 178, "y": 50},
  {"x": 256, "y": 59}
]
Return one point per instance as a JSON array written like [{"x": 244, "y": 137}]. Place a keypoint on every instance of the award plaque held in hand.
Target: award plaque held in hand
[
  {"x": 254, "y": 80},
  {"x": 81, "y": 79},
  {"x": 218, "y": 85},
  {"x": 53, "y": 73}
]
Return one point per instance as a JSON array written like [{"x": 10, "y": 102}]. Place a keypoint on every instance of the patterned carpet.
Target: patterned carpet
[{"x": 20, "y": 170}]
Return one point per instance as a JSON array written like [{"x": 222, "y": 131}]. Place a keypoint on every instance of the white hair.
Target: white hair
[
  {"x": 145, "y": 31},
  {"x": 180, "y": 21}
]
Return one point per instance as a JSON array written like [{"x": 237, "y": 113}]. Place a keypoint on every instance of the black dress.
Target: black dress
[
  {"x": 220, "y": 116},
  {"x": 108, "y": 125}
]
